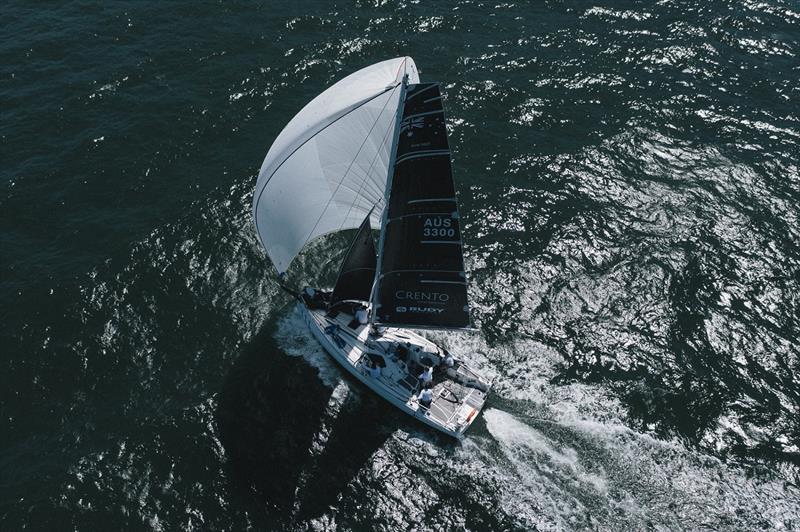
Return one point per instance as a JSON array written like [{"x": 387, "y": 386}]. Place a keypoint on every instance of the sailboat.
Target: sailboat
[{"x": 372, "y": 150}]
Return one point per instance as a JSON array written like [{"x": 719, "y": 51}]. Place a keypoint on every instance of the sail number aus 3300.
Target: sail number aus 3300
[{"x": 439, "y": 227}]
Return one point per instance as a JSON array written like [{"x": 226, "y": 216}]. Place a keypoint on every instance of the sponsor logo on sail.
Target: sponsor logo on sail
[
  {"x": 419, "y": 310},
  {"x": 436, "y": 298}
]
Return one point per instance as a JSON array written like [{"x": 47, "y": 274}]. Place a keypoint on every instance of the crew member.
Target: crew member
[
  {"x": 426, "y": 376},
  {"x": 362, "y": 315},
  {"x": 425, "y": 397},
  {"x": 448, "y": 360},
  {"x": 374, "y": 370},
  {"x": 448, "y": 365}
]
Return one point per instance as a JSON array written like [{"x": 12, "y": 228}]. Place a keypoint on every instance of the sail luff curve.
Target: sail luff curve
[{"x": 324, "y": 171}]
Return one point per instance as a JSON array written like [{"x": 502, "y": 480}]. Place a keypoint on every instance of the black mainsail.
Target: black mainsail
[
  {"x": 421, "y": 280},
  {"x": 358, "y": 267}
]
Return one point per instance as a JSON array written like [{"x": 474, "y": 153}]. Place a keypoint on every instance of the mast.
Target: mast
[{"x": 392, "y": 156}]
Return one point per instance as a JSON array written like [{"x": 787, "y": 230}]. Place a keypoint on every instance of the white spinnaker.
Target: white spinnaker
[{"x": 328, "y": 167}]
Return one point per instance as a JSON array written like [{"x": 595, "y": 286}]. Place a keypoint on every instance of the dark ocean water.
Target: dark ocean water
[{"x": 630, "y": 189}]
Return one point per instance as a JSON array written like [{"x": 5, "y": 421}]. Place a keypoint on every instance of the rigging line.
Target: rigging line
[
  {"x": 328, "y": 204},
  {"x": 367, "y": 174},
  {"x": 351, "y": 189},
  {"x": 369, "y": 170},
  {"x": 261, "y": 192},
  {"x": 372, "y": 164},
  {"x": 371, "y": 191},
  {"x": 383, "y": 143}
]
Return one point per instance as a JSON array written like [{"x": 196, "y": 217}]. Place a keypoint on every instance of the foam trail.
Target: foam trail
[
  {"x": 579, "y": 473},
  {"x": 547, "y": 476}
]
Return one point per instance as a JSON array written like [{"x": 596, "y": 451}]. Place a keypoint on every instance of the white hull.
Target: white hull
[{"x": 459, "y": 394}]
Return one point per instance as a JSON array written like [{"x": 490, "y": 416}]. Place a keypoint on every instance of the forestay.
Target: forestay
[
  {"x": 328, "y": 168},
  {"x": 421, "y": 280}
]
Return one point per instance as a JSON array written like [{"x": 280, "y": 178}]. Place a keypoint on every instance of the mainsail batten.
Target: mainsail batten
[{"x": 421, "y": 280}]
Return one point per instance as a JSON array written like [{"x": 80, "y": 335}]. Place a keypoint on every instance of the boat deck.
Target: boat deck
[{"x": 458, "y": 392}]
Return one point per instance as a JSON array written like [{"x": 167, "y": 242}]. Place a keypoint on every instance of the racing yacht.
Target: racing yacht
[{"x": 372, "y": 149}]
